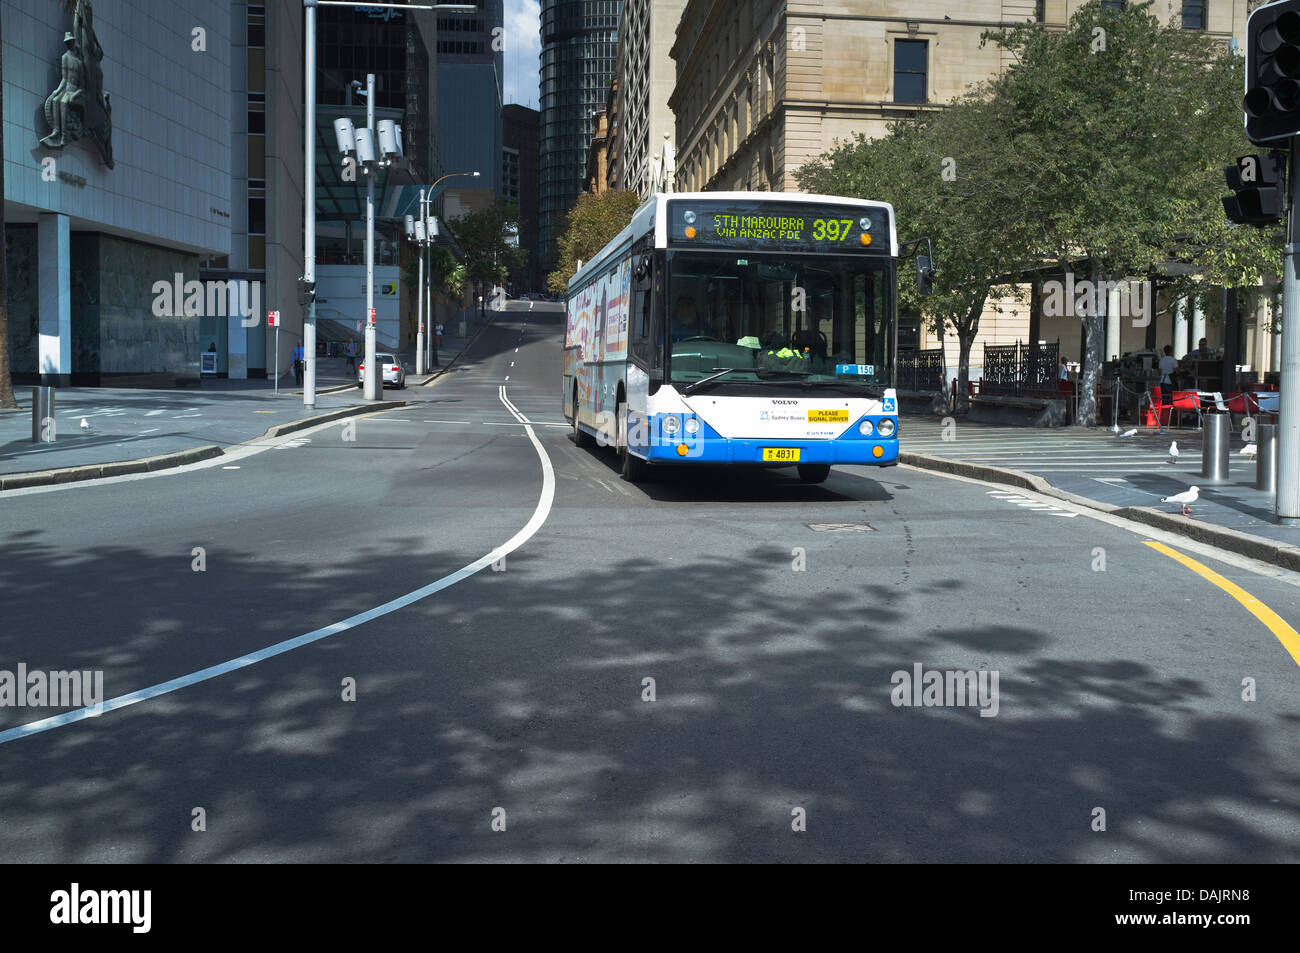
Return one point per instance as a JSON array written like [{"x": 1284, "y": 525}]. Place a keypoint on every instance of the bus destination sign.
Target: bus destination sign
[{"x": 778, "y": 226}]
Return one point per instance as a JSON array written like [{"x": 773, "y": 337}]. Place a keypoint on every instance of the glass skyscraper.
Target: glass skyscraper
[{"x": 578, "y": 45}]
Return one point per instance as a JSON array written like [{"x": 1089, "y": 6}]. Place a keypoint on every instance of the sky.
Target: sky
[{"x": 523, "y": 45}]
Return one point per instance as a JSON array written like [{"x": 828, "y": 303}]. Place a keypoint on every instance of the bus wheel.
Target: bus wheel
[
  {"x": 635, "y": 470},
  {"x": 580, "y": 437},
  {"x": 814, "y": 472}
]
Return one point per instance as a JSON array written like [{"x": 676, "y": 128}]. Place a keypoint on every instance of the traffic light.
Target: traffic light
[
  {"x": 1272, "y": 100},
  {"x": 1257, "y": 182},
  {"x": 306, "y": 291}
]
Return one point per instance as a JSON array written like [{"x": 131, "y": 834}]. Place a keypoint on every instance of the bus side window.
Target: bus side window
[{"x": 642, "y": 335}]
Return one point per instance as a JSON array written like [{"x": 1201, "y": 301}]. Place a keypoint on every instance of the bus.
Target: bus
[{"x": 739, "y": 328}]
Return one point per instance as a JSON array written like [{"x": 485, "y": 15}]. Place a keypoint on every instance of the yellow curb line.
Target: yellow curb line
[{"x": 1288, "y": 636}]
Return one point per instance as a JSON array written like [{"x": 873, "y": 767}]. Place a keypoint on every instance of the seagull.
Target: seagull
[
  {"x": 1173, "y": 452},
  {"x": 1183, "y": 499},
  {"x": 1248, "y": 450},
  {"x": 1129, "y": 433},
  {"x": 85, "y": 427}
]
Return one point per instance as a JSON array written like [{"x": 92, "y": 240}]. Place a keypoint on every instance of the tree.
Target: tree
[
  {"x": 1100, "y": 149},
  {"x": 587, "y": 228},
  {"x": 482, "y": 236},
  {"x": 1126, "y": 124},
  {"x": 952, "y": 176}
]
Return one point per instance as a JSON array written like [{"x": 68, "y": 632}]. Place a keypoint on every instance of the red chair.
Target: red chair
[
  {"x": 1157, "y": 409},
  {"x": 1184, "y": 400}
]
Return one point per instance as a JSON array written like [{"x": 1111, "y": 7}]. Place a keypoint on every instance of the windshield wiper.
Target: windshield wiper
[{"x": 713, "y": 377}]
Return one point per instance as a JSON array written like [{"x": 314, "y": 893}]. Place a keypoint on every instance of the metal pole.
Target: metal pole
[
  {"x": 1288, "y": 442},
  {"x": 309, "y": 208},
  {"x": 374, "y": 373},
  {"x": 277, "y": 359},
  {"x": 420, "y": 364}
]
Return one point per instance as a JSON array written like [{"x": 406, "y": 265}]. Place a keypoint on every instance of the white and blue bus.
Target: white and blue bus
[{"x": 744, "y": 328}]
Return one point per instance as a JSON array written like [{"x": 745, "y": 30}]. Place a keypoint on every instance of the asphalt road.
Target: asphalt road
[{"x": 518, "y": 694}]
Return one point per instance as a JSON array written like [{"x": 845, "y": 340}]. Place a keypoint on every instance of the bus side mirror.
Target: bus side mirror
[
  {"x": 642, "y": 267},
  {"x": 924, "y": 275}
]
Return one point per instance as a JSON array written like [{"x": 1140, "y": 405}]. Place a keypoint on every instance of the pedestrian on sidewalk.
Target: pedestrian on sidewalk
[
  {"x": 351, "y": 352},
  {"x": 1168, "y": 366},
  {"x": 298, "y": 357}
]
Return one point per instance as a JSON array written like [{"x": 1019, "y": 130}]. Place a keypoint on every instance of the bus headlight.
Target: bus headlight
[
  {"x": 885, "y": 428},
  {"x": 693, "y": 426},
  {"x": 865, "y": 428},
  {"x": 670, "y": 424}
]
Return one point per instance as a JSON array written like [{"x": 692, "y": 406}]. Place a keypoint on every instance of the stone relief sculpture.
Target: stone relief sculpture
[{"x": 79, "y": 105}]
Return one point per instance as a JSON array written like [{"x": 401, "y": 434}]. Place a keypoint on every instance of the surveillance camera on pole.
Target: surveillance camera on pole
[
  {"x": 420, "y": 235},
  {"x": 366, "y": 150},
  {"x": 390, "y": 140},
  {"x": 410, "y": 226},
  {"x": 432, "y": 227},
  {"x": 346, "y": 135}
]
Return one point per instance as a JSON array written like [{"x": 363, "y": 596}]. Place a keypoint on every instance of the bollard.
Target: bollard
[
  {"x": 1214, "y": 447},
  {"x": 42, "y": 415},
  {"x": 1266, "y": 458}
]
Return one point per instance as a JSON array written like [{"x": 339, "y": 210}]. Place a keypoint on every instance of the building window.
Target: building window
[
  {"x": 256, "y": 122},
  {"x": 1193, "y": 14},
  {"x": 256, "y": 25},
  {"x": 257, "y": 216},
  {"x": 1040, "y": 10},
  {"x": 909, "y": 71},
  {"x": 1114, "y": 6}
]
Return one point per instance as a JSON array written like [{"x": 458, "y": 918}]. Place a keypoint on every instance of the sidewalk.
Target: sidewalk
[{"x": 1122, "y": 475}]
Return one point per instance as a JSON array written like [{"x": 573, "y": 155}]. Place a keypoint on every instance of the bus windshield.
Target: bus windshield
[{"x": 752, "y": 317}]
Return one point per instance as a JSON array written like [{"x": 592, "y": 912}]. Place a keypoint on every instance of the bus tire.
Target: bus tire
[
  {"x": 581, "y": 438},
  {"x": 813, "y": 472},
  {"x": 635, "y": 470}
]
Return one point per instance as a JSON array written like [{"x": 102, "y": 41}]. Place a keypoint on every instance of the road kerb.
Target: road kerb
[
  {"x": 1234, "y": 541},
  {"x": 442, "y": 368}
]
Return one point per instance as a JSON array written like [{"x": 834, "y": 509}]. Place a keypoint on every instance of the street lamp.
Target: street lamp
[
  {"x": 308, "y": 284},
  {"x": 375, "y": 147},
  {"x": 422, "y": 232}
]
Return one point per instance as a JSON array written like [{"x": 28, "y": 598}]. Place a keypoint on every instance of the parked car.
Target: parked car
[{"x": 394, "y": 372}]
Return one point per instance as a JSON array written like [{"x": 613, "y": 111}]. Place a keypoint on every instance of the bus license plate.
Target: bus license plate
[{"x": 780, "y": 454}]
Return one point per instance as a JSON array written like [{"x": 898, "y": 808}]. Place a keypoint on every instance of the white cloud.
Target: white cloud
[{"x": 523, "y": 47}]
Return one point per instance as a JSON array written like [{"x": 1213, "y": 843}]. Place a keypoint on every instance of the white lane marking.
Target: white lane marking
[
  {"x": 507, "y": 377},
  {"x": 529, "y": 530},
  {"x": 230, "y": 468},
  {"x": 512, "y": 363},
  {"x": 150, "y": 430},
  {"x": 184, "y": 416},
  {"x": 1028, "y": 503},
  {"x": 153, "y": 413}
]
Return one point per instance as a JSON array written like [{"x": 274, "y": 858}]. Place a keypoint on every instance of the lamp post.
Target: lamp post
[
  {"x": 431, "y": 232},
  {"x": 309, "y": 162}
]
